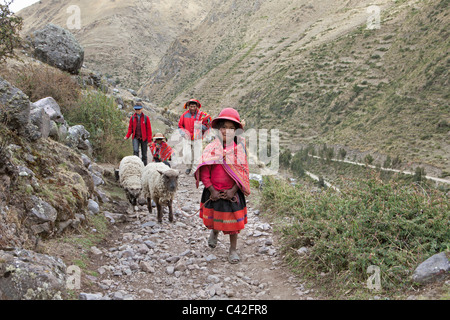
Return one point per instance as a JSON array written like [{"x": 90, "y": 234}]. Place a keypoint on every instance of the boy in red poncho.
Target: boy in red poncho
[
  {"x": 160, "y": 150},
  {"x": 223, "y": 170}
]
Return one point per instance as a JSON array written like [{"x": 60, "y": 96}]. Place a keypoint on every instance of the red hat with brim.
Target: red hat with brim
[
  {"x": 228, "y": 114},
  {"x": 192, "y": 100}
]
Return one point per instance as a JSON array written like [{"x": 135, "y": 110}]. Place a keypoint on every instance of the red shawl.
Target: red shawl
[{"x": 233, "y": 160}]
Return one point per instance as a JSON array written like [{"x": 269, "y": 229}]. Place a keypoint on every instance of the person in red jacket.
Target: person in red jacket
[
  {"x": 193, "y": 123},
  {"x": 141, "y": 129}
]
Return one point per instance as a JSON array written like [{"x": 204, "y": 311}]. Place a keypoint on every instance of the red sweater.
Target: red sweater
[
  {"x": 216, "y": 176},
  {"x": 146, "y": 130}
]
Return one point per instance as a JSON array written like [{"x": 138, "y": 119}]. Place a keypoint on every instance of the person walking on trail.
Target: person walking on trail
[
  {"x": 141, "y": 130},
  {"x": 223, "y": 170},
  {"x": 192, "y": 125},
  {"x": 160, "y": 150}
]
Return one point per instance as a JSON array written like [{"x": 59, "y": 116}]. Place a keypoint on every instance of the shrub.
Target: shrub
[
  {"x": 105, "y": 122},
  {"x": 297, "y": 165},
  {"x": 392, "y": 226},
  {"x": 285, "y": 158}
]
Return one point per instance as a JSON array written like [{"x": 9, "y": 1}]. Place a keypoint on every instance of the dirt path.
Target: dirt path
[{"x": 147, "y": 260}]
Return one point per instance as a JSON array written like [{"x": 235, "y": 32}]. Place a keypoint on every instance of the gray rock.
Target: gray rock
[
  {"x": 27, "y": 275},
  {"x": 96, "y": 251},
  {"x": 90, "y": 296},
  {"x": 54, "y": 131},
  {"x": 211, "y": 257},
  {"x": 76, "y": 136},
  {"x": 96, "y": 179},
  {"x": 303, "y": 251},
  {"x": 62, "y": 225},
  {"x": 170, "y": 270},
  {"x": 57, "y": 47},
  {"x": 41, "y": 120},
  {"x": 86, "y": 160},
  {"x": 93, "y": 206},
  {"x": 147, "y": 267},
  {"x": 41, "y": 211},
  {"x": 51, "y": 108},
  {"x": 434, "y": 268},
  {"x": 17, "y": 108}
]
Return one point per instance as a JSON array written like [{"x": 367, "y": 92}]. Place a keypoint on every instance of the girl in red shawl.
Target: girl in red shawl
[{"x": 224, "y": 172}]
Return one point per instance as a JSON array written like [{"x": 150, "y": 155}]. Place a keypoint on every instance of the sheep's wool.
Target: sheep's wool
[
  {"x": 130, "y": 171},
  {"x": 152, "y": 184}
]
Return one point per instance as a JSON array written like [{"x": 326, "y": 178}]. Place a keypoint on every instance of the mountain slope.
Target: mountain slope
[
  {"x": 309, "y": 68},
  {"x": 314, "y": 71}
]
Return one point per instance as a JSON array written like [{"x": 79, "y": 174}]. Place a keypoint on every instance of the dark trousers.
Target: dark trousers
[
  {"x": 165, "y": 162},
  {"x": 143, "y": 145}
]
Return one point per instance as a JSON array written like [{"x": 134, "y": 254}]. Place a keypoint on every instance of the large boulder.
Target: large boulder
[
  {"x": 27, "y": 275},
  {"x": 58, "y": 47}
]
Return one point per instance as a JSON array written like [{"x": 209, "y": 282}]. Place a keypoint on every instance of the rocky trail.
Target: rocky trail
[{"x": 145, "y": 260}]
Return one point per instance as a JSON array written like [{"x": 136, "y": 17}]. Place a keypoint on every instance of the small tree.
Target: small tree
[
  {"x": 387, "y": 162},
  {"x": 10, "y": 25},
  {"x": 297, "y": 165},
  {"x": 342, "y": 153},
  {"x": 419, "y": 174},
  {"x": 368, "y": 159},
  {"x": 285, "y": 158}
]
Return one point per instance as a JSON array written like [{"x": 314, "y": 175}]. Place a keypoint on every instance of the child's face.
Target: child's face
[
  {"x": 158, "y": 141},
  {"x": 228, "y": 131}
]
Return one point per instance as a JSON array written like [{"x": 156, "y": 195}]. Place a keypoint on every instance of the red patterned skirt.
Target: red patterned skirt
[{"x": 224, "y": 215}]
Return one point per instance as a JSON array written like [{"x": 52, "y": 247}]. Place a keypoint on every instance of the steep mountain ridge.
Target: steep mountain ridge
[{"x": 123, "y": 39}]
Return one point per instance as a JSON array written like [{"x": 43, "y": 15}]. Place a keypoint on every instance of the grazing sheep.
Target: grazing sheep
[
  {"x": 130, "y": 172},
  {"x": 159, "y": 183}
]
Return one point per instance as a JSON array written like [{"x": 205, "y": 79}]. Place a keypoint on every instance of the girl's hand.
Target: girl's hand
[
  {"x": 215, "y": 195},
  {"x": 230, "y": 193}
]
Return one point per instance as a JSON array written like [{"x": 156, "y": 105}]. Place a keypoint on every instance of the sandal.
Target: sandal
[
  {"x": 233, "y": 258},
  {"x": 212, "y": 241}
]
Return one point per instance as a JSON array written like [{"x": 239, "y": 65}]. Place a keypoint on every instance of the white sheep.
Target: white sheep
[
  {"x": 159, "y": 183},
  {"x": 130, "y": 172}
]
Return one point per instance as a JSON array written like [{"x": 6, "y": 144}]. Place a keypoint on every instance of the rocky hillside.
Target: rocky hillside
[
  {"x": 123, "y": 39},
  {"x": 314, "y": 71}
]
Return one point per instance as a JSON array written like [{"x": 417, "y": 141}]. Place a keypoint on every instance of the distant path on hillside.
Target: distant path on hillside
[{"x": 384, "y": 169}]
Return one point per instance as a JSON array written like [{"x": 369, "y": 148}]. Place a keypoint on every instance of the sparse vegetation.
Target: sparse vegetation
[
  {"x": 391, "y": 225},
  {"x": 41, "y": 81}
]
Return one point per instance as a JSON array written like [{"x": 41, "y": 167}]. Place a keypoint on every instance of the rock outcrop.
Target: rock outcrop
[{"x": 27, "y": 275}]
